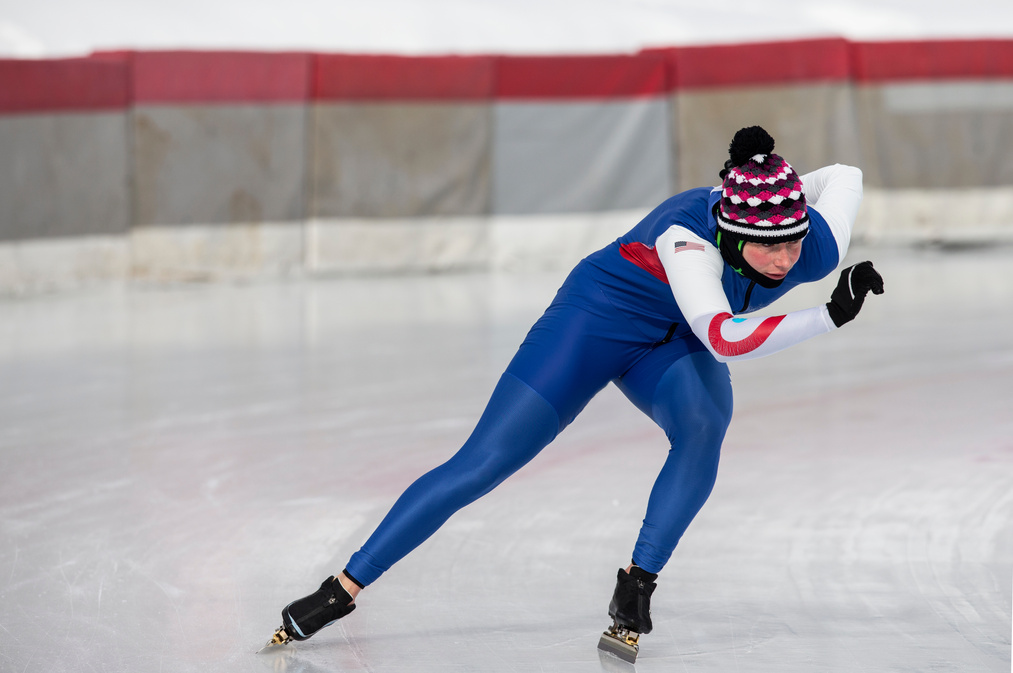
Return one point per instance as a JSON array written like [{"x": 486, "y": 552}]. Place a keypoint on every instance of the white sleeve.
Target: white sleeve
[
  {"x": 835, "y": 192},
  {"x": 729, "y": 338},
  {"x": 694, "y": 267}
]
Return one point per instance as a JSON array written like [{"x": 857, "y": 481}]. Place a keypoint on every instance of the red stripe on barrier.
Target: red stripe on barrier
[
  {"x": 760, "y": 63},
  {"x": 63, "y": 85},
  {"x": 379, "y": 77},
  {"x": 220, "y": 77},
  {"x": 554, "y": 77},
  {"x": 112, "y": 80},
  {"x": 939, "y": 59}
]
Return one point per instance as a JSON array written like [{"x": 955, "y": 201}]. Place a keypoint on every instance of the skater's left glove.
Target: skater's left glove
[{"x": 849, "y": 295}]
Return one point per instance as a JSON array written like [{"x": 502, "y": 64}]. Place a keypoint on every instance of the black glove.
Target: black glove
[{"x": 846, "y": 299}]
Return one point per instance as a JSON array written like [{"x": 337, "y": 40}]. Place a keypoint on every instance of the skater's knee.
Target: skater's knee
[
  {"x": 477, "y": 474},
  {"x": 694, "y": 398},
  {"x": 704, "y": 415},
  {"x": 516, "y": 426}
]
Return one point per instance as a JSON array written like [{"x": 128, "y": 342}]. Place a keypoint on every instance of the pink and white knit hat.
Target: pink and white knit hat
[{"x": 761, "y": 194}]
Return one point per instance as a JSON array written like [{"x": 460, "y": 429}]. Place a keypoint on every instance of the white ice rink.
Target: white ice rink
[{"x": 179, "y": 462}]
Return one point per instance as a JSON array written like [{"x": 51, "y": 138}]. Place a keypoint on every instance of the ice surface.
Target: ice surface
[{"x": 179, "y": 462}]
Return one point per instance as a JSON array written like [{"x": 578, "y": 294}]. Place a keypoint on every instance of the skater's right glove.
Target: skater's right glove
[{"x": 847, "y": 298}]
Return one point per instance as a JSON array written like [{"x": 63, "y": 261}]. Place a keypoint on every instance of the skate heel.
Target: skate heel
[{"x": 621, "y": 642}]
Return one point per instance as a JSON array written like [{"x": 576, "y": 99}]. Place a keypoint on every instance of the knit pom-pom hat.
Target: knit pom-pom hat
[{"x": 761, "y": 194}]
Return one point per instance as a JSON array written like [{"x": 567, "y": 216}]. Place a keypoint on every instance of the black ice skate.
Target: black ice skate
[
  {"x": 630, "y": 611},
  {"x": 304, "y": 617}
]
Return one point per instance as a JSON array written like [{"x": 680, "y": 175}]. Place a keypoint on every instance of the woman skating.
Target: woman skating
[{"x": 659, "y": 312}]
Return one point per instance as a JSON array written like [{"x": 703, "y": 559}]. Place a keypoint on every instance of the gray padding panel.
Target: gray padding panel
[
  {"x": 219, "y": 164},
  {"x": 580, "y": 157},
  {"x": 63, "y": 175},
  {"x": 400, "y": 159}
]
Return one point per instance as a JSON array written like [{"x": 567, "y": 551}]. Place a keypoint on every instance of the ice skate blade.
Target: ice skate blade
[
  {"x": 621, "y": 643},
  {"x": 280, "y": 637}
]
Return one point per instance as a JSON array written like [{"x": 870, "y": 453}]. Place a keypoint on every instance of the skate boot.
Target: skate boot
[
  {"x": 302, "y": 618},
  {"x": 630, "y": 611}
]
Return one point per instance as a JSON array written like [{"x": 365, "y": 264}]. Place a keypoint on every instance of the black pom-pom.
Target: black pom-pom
[{"x": 749, "y": 142}]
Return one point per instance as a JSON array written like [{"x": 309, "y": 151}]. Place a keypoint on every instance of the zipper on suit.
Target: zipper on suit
[{"x": 749, "y": 293}]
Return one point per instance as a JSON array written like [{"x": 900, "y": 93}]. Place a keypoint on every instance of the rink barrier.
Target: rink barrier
[
  {"x": 90, "y": 84},
  {"x": 799, "y": 90},
  {"x": 400, "y": 137},
  {"x": 372, "y": 78},
  {"x": 219, "y": 138},
  {"x": 880, "y": 62},
  {"x": 226, "y": 77},
  {"x": 934, "y": 119},
  {"x": 64, "y": 164},
  {"x": 212, "y": 164},
  {"x": 935, "y": 115},
  {"x": 579, "y": 134}
]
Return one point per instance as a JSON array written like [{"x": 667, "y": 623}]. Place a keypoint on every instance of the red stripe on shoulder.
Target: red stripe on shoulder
[
  {"x": 743, "y": 346},
  {"x": 646, "y": 257}
]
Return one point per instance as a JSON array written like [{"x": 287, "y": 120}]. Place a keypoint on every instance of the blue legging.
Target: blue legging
[{"x": 580, "y": 344}]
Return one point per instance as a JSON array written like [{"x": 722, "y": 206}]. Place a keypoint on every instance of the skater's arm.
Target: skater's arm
[
  {"x": 835, "y": 192},
  {"x": 730, "y": 338},
  {"x": 694, "y": 267}
]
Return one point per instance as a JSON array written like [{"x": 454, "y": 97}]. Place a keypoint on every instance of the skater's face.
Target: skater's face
[{"x": 773, "y": 260}]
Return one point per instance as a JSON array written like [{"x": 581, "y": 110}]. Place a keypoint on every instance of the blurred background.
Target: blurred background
[{"x": 230, "y": 140}]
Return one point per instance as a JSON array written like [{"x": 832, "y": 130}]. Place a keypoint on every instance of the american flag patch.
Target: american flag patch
[{"x": 682, "y": 246}]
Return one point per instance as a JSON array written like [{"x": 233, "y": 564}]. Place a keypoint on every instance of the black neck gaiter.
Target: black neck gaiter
[{"x": 731, "y": 250}]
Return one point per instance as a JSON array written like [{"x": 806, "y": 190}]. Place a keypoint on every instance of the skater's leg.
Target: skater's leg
[
  {"x": 579, "y": 344},
  {"x": 516, "y": 425},
  {"x": 570, "y": 354},
  {"x": 691, "y": 399},
  {"x": 688, "y": 393}
]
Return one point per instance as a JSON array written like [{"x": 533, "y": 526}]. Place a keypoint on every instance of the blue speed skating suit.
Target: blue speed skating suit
[{"x": 615, "y": 319}]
